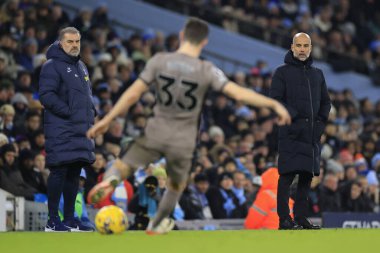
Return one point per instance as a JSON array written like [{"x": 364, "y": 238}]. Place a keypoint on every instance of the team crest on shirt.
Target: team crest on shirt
[{"x": 86, "y": 78}]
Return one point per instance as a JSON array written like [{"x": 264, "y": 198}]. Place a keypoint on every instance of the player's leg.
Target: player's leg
[
  {"x": 178, "y": 168},
  {"x": 116, "y": 172},
  {"x": 136, "y": 156}
]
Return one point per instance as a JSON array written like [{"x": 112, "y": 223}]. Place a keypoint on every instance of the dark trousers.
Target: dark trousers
[
  {"x": 283, "y": 192},
  {"x": 63, "y": 179}
]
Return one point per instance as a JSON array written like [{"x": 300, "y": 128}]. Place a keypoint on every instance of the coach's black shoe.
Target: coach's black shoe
[
  {"x": 289, "y": 224},
  {"x": 306, "y": 223}
]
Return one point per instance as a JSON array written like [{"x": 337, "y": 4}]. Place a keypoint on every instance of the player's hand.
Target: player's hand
[
  {"x": 283, "y": 114},
  {"x": 99, "y": 128}
]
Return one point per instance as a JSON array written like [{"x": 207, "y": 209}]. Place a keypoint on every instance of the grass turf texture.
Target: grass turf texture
[{"x": 327, "y": 240}]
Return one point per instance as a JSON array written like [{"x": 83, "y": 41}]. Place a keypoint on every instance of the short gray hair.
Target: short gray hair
[{"x": 69, "y": 29}]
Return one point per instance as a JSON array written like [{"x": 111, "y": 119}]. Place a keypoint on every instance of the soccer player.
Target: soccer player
[{"x": 181, "y": 81}]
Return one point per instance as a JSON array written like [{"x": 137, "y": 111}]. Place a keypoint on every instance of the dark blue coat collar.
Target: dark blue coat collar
[{"x": 55, "y": 51}]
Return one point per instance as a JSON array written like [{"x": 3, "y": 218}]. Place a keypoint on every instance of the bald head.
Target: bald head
[
  {"x": 304, "y": 35},
  {"x": 301, "y": 46}
]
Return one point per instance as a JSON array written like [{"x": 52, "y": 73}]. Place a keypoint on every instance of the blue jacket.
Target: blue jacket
[{"x": 65, "y": 92}]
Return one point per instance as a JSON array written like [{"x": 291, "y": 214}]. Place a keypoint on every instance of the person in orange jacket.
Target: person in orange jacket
[{"x": 263, "y": 213}]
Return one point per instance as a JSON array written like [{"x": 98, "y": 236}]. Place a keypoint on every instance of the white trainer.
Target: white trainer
[{"x": 164, "y": 227}]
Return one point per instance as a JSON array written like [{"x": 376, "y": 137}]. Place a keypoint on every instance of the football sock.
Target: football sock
[
  {"x": 166, "y": 206},
  {"x": 112, "y": 172}
]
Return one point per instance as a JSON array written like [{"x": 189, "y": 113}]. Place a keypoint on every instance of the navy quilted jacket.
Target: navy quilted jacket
[{"x": 65, "y": 92}]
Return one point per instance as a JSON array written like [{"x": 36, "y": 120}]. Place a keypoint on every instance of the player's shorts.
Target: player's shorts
[{"x": 142, "y": 152}]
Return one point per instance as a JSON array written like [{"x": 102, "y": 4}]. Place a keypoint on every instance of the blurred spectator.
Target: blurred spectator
[
  {"x": 7, "y": 114},
  {"x": 356, "y": 202},
  {"x": 194, "y": 201},
  {"x": 330, "y": 200},
  {"x": 10, "y": 176},
  {"x": 33, "y": 177},
  {"x": 223, "y": 202},
  {"x": 144, "y": 203},
  {"x": 30, "y": 49},
  {"x": 20, "y": 104},
  {"x": 40, "y": 167}
]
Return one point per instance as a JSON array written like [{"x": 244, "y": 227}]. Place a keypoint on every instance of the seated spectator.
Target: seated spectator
[
  {"x": 20, "y": 104},
  {"x": 10, "y": 177},
  {"x": 330, "y": 200},
  {"x": 39, "y": 165},
  {"x": 362, "y": 168},
  {"x": 31, "y": 176},
  {"x": 239, "y": 179},
  {"x": 252, "y": 188},
  {"x": 159, "y": 172},
  {"x": 7, "y": 114},
  {"x": 144, "y": 203},
  {"x": 336, "y": 168},
  {"x": 3, "y": 140},
  {"x": 223, "y": 202},
  {"x": 194, "y": 201},
  {"x": 357, "y": 202}
]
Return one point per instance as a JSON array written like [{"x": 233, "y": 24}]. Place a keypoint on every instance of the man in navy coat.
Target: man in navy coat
[{"x": 65, "y": 93}]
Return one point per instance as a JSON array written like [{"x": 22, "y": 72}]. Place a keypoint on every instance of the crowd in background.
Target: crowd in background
[
  {"x": 346, "y": 33},
  {"x": 236, "y": 143}
]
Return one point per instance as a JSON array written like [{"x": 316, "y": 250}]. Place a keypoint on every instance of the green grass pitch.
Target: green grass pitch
[{"x": 327, "y": 240}]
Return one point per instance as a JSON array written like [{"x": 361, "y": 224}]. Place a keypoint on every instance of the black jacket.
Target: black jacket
[
  {"x": 301, "y": 88},
  {"x": 329, "y": 201},
  {"x": 191, "y": 204}
]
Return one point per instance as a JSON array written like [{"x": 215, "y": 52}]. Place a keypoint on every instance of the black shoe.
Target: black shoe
[
  {"x": 306, "y": 223},
  {"x": 289, "y": 224}
]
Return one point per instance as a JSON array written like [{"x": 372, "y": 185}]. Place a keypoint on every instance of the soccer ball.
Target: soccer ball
[{"x": 111, "y": 220}]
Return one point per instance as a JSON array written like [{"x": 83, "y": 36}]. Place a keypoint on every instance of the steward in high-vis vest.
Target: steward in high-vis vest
[{"x": 263, "y": 213}]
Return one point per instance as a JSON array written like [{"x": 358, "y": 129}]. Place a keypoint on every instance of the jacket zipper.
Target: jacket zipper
[
  {"x": 87, "y": 95},
  {"x": 312, "y": 116}
]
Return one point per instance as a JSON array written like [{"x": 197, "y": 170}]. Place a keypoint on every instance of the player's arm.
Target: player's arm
[
  {"x": 253, "y": 98},
  {"x": 129, "y": 98}
]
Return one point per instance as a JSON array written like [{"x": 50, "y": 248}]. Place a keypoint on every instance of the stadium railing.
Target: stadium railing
[{"x": 12, "y": 212}]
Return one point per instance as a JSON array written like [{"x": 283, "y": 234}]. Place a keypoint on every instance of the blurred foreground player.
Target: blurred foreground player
[{"x": 181, "y": 81}]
